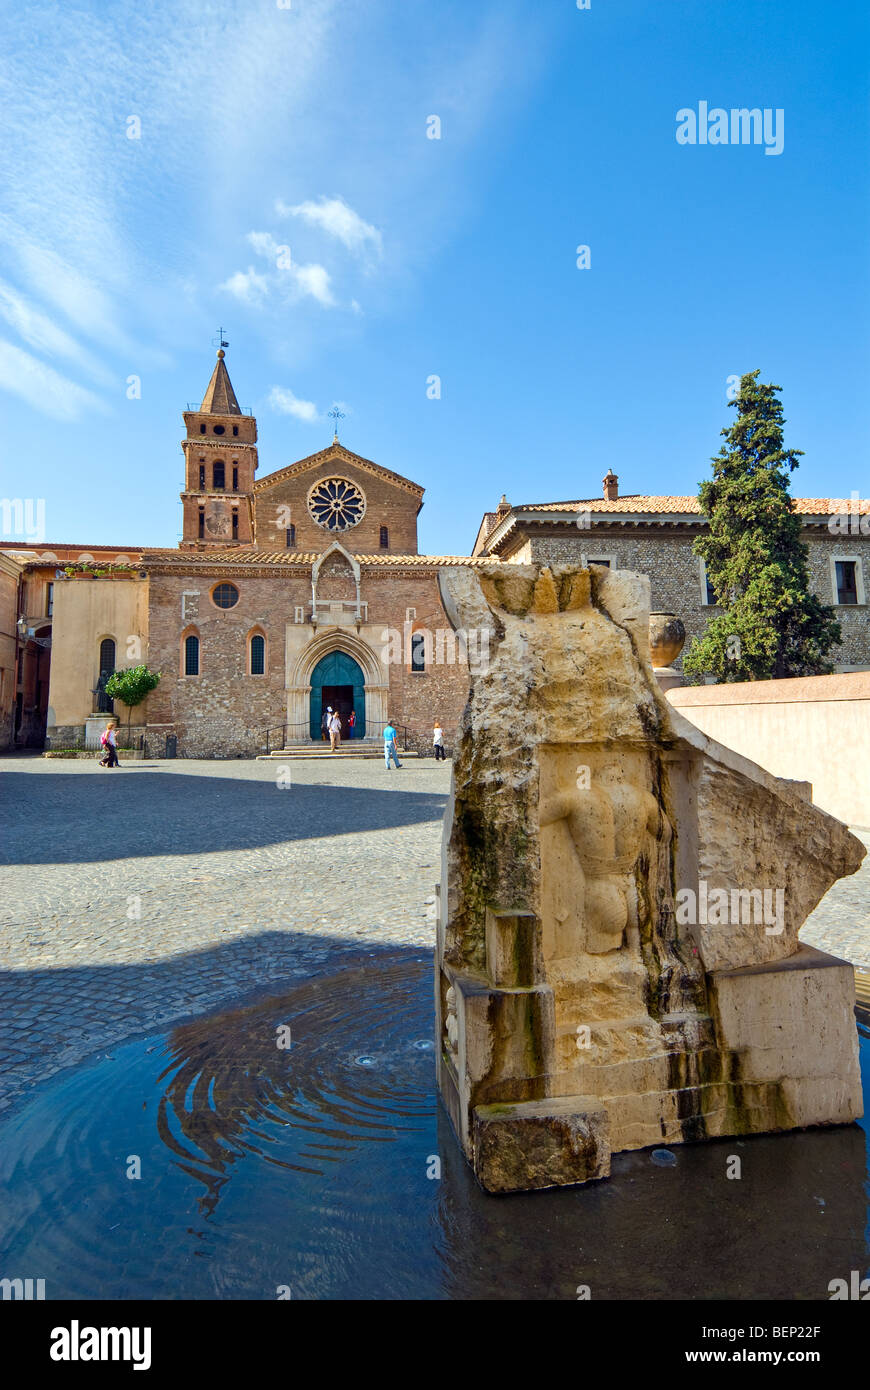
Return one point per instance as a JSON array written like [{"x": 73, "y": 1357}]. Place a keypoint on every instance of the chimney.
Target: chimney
[{"x": 610, "y": 484}]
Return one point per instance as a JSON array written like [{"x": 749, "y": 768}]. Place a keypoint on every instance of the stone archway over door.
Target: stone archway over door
[{"x": 337, "y": 669}]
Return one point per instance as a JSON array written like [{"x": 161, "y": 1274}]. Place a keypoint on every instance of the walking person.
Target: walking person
[
  {"x": 335, "y": 733},
  {"x": 438, "y": 742},
  {"x": 324, "y": 723},
  {"x": 109, "y": 745},
  {"x": 390, "y": 750}
]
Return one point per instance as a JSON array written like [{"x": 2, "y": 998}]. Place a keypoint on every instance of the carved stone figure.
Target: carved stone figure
[{"x": 583, "y": 1008}]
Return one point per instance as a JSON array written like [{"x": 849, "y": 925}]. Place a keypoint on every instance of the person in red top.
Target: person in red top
[{"x": 351, "y": 724}]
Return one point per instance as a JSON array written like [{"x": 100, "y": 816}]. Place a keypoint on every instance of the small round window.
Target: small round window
[
  {"x": 225, "y": 595},
  {"x": 218, "y": 429}
]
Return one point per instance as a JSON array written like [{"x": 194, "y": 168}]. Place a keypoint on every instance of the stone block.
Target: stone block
[{"x": 547, "y": 1143}]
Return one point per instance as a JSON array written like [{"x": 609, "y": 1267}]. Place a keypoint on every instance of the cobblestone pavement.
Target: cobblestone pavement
[
  {"x": 132, "y": 899},
  {"x": 841, "y": 922}
]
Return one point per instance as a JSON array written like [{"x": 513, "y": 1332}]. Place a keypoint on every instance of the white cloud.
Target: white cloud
[
  {"x": 296, "y": 281},
  {"x": 42, "y": 333},
  {"x": 282, "y": 399},
  {"x": 265, "y": 245},
  {"x": 313, "y": 280},
  {"x": 247, "y": 286},
  {"x": 42, "y": 387},
  {"x": 338, "y": 220}
]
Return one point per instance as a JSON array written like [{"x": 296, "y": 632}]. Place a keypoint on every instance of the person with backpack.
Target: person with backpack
[{"x": 109, "y": 745}]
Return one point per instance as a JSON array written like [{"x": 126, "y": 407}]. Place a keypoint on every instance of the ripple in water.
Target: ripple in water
[{"x": 312, "y": 1166}]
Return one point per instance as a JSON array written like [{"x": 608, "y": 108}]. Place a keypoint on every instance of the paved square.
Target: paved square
[{"x": 136, "y": 897}]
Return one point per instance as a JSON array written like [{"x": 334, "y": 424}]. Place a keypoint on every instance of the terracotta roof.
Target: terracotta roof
[
  {"x": 70, "y": 545},
  {"x": 676, "y": 506},
  {"x": 186, "y": 559}
]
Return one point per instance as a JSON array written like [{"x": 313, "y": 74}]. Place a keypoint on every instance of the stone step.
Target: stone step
[{"x": 348, "y": 750}]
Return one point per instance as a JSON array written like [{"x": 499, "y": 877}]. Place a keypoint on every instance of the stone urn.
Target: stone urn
[{"x": 667, "y": 636}]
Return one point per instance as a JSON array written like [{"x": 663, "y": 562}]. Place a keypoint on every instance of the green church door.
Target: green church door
[{"x": 337, "y": 680}]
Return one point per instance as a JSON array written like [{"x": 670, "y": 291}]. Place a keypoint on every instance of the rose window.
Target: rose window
[{"x": 336, "y": 504}]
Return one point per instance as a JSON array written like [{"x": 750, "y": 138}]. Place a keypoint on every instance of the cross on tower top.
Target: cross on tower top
[
  {"x": 336, "y": 415},
  {"x": 220, "y": 341}
]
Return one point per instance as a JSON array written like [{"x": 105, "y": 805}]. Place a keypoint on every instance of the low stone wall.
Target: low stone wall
[
  {"x": 814, "y": 729},
  {"x": 64, "y": 737}
]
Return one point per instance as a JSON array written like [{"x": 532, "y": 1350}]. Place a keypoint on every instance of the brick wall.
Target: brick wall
[
  {"x": 223, "y": 711},
  {"x": 387, "y": 504}
]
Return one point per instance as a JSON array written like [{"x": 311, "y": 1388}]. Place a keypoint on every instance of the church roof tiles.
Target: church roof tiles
[{"x": 220, "y": 398}]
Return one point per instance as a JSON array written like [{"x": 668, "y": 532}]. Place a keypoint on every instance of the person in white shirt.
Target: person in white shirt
[
  {"x": 438, "y": 742},
  {"x": 335, "y": 732}
]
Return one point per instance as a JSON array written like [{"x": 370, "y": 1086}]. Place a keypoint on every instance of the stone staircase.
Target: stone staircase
[{"x": 351, "y": 749}]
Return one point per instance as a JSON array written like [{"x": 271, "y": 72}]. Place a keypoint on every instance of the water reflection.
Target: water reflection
[
  {"x": 312, "y": 1166},
  {"x": 232, "y": 1090}
]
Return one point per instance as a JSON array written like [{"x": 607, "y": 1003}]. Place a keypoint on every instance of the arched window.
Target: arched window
[
  {"x": 218, "y": 474},
  {"x": 107, "y": 655},
  {"x": 385, "y": 538},
  {"x": 191, "y": 655},
  {"x": 107, "y": 667},
  {"x": 291, "y": 535},
  {"x": 418, "y": 652},
  {"x": 258, "y": 655}
]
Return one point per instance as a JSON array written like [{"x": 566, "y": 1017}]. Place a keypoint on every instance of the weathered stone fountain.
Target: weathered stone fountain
[{"x": 618, "y": 962}]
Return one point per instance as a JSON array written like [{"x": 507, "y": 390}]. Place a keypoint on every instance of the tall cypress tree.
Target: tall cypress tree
[{"x": 757, "y": 563}]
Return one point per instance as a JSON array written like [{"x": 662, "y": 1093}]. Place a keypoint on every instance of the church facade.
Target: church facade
[{"x": 305, "y": 588}]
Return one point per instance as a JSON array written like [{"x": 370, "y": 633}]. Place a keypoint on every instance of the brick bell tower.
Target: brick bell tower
[{"x": 220, "y": 460}]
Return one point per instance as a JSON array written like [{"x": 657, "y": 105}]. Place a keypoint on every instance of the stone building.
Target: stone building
[
  {"x": 655, "y": 536},
  {"x": 305, "y": 588}
]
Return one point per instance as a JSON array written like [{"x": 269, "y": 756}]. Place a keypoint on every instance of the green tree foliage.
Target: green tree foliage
[
  {"x": 131, "y": 687},
  {"x": 771, "y": 626}
]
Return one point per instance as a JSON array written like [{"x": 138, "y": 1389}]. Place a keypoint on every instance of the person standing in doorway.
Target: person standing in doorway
[
  {"x": 108, "y": 741},
  {"x": 390, "y": 750},
  {"x": 351, "y": 724},
  {"x": 335, "y": 732},
  {"x": 324, "y": 723},
  {"x": 438, "y": 742}
]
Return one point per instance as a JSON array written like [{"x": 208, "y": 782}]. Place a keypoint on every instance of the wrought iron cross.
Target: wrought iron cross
[
  {"x": 336, "y": 415},
  {"x": 219, "y": 340}
]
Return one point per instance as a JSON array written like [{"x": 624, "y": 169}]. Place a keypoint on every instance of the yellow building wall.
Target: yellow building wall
[{"x": 85, "y": 612}]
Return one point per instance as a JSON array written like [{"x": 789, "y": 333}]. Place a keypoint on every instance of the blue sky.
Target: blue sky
[{"x": 306, "y": 128}]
